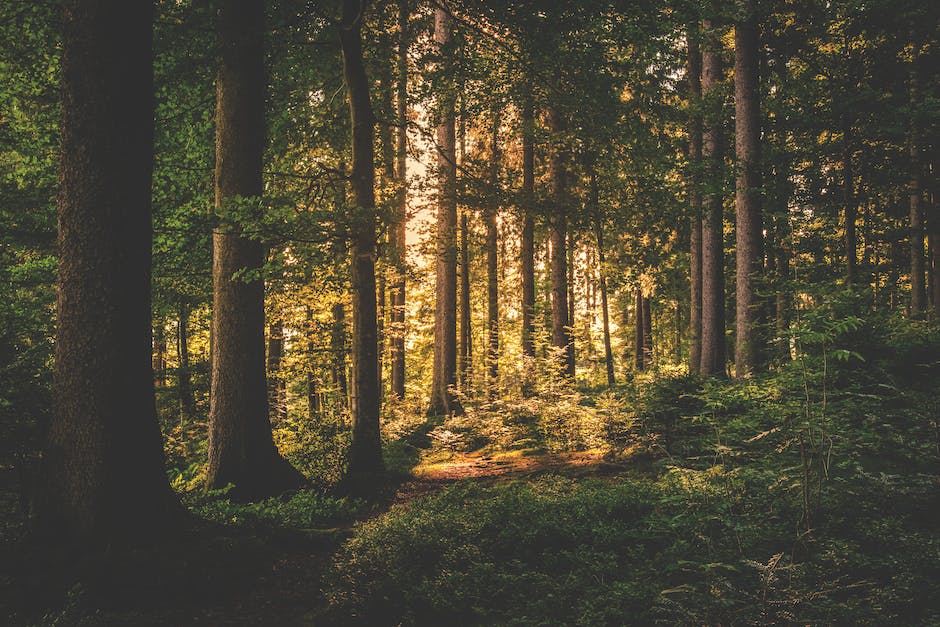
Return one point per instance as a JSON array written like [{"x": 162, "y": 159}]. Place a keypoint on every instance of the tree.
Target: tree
[
  {"x": 492, "y": 269},
  {"x": 445, "y": 311},
  {"x": 102, "y": 476},
  {"x": 748, "y": 227},
  {"x": 399, "y": 226},
  {"x": 694, "y": 80},
  {"x": 713, "y": 286},
  {"x": 527, "y": 243},
  {"x": 365, "y": 451},
  {"x": 241, "y": 447},
  {"x": 558, "y": 222}
]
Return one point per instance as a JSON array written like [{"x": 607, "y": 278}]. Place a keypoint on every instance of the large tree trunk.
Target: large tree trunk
[
  {"x": 445, "y": 313},
  {"x": 184, "y": 385},
  {"x": 561, "y": 330},
  {"x": 102, "y": 476},
  {"x": 492, "y": 271},
  {"x": 241, "y": 449},
  {"x": 365, "y": 450},
  {"x": 399, "y": 229},
  {"x": 527, "y": 244},
  {"x": 748, "y": 353},
  {"x": 713, "y": 281},
  {"x": 695, "y": 205}
]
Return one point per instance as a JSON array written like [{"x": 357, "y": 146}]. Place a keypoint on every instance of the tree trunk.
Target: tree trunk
[
  {"x": 365, "y": 450},
  {"x": 527, "y": 245},
  {"x": 749, "y": 228},
  {"x": 639, "y": 332},
  {"x": 492, "y": 270},
  {"x": 561, "y": 329},
  {"x": 102, "y": 475},
  {"x": 695, "y": 205},
  {"x": 159, "y": 353},
  {"x": 647, "y": 332},
  {"x": 399, "y": 228},
  {"x": 276, "y": 388},
  {"x": 934, "y": 235},
  {"x": 184, "y": 385},
  {"x": 241, "y": 449},
  {"x": 445, "y": 312},
  {"x": 602, "y": 279},
  {"x": 918, "y": 289},
  {"x": 851, "y": 209},
  {"x": 713, "y": 282}
]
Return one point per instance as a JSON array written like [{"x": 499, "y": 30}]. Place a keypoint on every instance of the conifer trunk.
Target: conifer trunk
[
  {"x": 558, "y": 222},
  {"x": 695, "y": 204},
  {"x": 492, "y": 271},
  {"x": 527, "y": 245},
  {"x": 184, "y": 385},
  {"x": 399, "y": 228}
]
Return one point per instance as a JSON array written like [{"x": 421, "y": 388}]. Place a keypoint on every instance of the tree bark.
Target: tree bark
[
  {"x": 695, "y": 205},
  {"x": 713, "y": 285},
  {"x": 399, "y": 228},
  {"x": 365, "y": 450},
  {"x": 276, "y": 388},
  {"x": 492, "y": 270},
  {"x": 748, "y": 352},
  {"x": 241, "y": 449},
  {"x": 561, "y": 330},
  {"x": 639, "y": 354},
  {"x": 444, "y": 375},
  {"x": 918, "y": 289},
  {"x": 102, "y": 478},
  {"x": 602, "y": 279},
  {"x": 851, "y": 208},
  {"x": 527, "y": 244}
]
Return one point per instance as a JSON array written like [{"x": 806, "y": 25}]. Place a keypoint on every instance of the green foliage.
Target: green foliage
[{"x": 306, "y": 509}]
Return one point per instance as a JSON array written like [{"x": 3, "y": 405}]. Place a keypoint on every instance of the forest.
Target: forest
[{"x": 481, "y": 312}]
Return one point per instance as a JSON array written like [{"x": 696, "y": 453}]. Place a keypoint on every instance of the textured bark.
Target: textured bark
[
  {"x": 399, "y": 228},
  {"x": 749, "y": 351},
  {"x": 277, "y": 401},
  {"x": 365, "y": 450},
  {"x": 527, "y": 245},
  {"x": 713, "y": 286},
  {"x": 695, "y": 206},
  {"x": 638, "y": 331},
  {"x": 561, "y": 330},
  {"x": 241, "y": 449},
  {"x": 184, "y": 384},
  {"x": 492, "y": 271},
  {"x": 102, "y": 474},
  {"x": 444, "y": 375}
]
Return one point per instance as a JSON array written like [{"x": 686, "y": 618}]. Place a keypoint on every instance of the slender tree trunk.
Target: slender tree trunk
[
  {"x": 338, "y": 348},
  {"x": 918, "y": 289},
  {"x": 602, "y": 279},
  {"x": 695, "y": 205},
  {"x": 241, "y": 449},
  {"x": 184, "y": 385},
  {"x": 749, "y": 224},
  {"x": 561, "y": 329},
  {"x": 466, "y": 338},
  {"x": 851, "y": 208},
  {"x": 399, "y": 229},
  {"x": 639, "y": 332},
  {"x": 713, "y": 282},
  {"x": 102, "y": 474},
  {"x": 365, "y": 450},
  {"x": 276, "y": 388},
  {"x": 647, "y": 332},
  {"x": 492, "y": 271},
  {"x": 527, "y": 245},
  {"x": 445, "y": 314},
  {"x": 934, "y": 235},
  {"x": 159, "y": 353}
]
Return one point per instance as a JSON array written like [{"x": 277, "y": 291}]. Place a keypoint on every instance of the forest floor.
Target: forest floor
[{"x": 268, "y": 575}]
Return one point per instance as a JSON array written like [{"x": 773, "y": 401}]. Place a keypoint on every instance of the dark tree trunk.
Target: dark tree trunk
[
  {"x": 159, "y": 353},
  {"x": 241, "y": 449},
  {"x": 365, "y": 450},
  {"x": 695, "y": 205},
  {"x": 466, "y": 339},
  {"x": 527, "y": 245},
  {"x": 102, "y": 475},
  {"x": 639, "y": 332},
  {"x": 492, "y": 271},
  {"x": 561, "y": 329},
  {"x": 184, "y": 385},
  {"x": 934, "y": 236},
  {"x": 851, "y": 209},
  {"x": 713, "y": 282},
  {"x": 276, "y": 389},
  {"x": 399, "y": 229},
  {"x": 749, "y": 351},
  {"x": 918, "y": 289},
  {"x": 602, "y": 279},
  {"x": 338, "y": 348},
  {"x": 444, "y": 376},
  {"x": 647, "y": 332}
]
